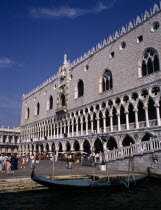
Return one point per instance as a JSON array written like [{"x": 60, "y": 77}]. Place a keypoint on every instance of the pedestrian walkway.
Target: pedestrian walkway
[{"x": 45, "y": 168}]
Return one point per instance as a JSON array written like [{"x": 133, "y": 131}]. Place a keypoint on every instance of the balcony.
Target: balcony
[{"x": 61, "y": 109}]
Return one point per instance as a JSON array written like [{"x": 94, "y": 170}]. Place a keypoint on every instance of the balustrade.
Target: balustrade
[{"x": 134, "y": 149}]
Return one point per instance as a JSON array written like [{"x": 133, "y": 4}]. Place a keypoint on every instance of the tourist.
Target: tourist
[
  {"x": 23, "y": 162},
  {"x": 0, "y": 162},
  {"x": 4, "y": 163},
  {"x": 8, "y": 167},
  {"x": 32, "y": 160},
  {"x": 56, "y": 157},
  {"x": 26, "y": 159}
]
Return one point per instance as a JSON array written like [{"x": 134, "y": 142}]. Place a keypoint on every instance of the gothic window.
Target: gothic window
[
  {"x": 80, "y": 88},
  {"x": 123, "y": 45},
  {"x": 150, "y": 62},
  {"x": 140, "y": 39},
  {"x": 63, "y": 100},
  {"x": 38, "y": 109},
  {"x": 50, "y": 102},
  {"x": 155, "y": 26},
  {"x": 28, "y": 113},
  {"x": 107, "y": 80}
]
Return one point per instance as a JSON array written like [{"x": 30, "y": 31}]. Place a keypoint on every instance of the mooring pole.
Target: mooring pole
[{"x": 53, "y": 172}]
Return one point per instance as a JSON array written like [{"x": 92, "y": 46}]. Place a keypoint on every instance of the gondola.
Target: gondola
[{"x": 88, "y": 184}]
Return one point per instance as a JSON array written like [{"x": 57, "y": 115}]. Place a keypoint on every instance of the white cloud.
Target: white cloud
[
  {"x": 6, "y": 62},
  {"x": 68, "y": 12}
]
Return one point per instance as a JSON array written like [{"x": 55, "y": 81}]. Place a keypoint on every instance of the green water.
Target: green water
[{"x": 147, "y": 196}]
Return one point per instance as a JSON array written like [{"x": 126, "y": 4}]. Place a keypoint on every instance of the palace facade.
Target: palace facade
[
  {"x": 106, "y": 99},
  {"x": 9, "y": 140}
]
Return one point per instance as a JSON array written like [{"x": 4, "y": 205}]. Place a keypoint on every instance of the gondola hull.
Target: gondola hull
[{"x": 88, "y": 184}]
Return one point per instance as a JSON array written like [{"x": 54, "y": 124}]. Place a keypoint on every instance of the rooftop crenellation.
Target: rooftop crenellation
[{"x": 125, "y": 29}]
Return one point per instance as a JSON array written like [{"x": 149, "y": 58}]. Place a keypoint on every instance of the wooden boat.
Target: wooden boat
[{"x": 88, "y": 184}]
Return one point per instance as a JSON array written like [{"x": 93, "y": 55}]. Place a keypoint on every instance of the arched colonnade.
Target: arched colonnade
[{"x": 87, "y": 145}]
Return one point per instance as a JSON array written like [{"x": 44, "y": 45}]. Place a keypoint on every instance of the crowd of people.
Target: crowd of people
[{"x": 8, "y": 163}]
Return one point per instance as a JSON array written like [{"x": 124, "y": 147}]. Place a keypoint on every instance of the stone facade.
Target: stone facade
[
  {"x": 9, "y": 140},
  {"x": 111, "y": 92}
]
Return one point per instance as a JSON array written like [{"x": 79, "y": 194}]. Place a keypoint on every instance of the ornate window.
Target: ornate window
[
  {"x": 150, "y": 62},
  {"x": 63, "y": 100},
  {"x": 27, "y": 113},
  {"x": 107, "y": 80},
  {"x": 80, "y": 88},
  {"x": 155, "y": 26},
  {"x": 123, "y": 45},
  {"x": 38, "y": 108},
  {"x": 50, "y": 102}
]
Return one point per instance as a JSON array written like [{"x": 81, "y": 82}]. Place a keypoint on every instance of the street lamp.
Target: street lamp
[{"x": 103, "y": 139}]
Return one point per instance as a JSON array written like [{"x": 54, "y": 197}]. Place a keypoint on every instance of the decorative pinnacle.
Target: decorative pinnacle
[{"x": 65, "y": 59}]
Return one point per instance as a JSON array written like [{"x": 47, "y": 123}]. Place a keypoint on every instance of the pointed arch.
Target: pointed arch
[
  {"x": 50, "y": 102},
  {"x": 47, "y": 147},
  {"x": 122, "y": 115},
  {"x": 131, "y": 113},
  {"x": 76, "y": 146},
  {"x": 151, "y": 109},
  {"x": 141, "y": 111},
  {"x": 107, "y": 118},
  {"x": 89, "y": 122},
  {"x": 107, "y": 82},
  {"x": 53, "y": 147},
  {"x": 111, "y": 143},
  {"x": 115, "y": 119},
  {"x": 94, "y": 121},
  {"x": 150, "y": 62},
  {"x": 101, "y": 119},
  {"x": 68, "y": 147},
  {"x": 63, "y": 99},
  {"x": 86, "y": 146},
  {"x": 60, "y": 147},
  {"x": 80, "y": 88},
  {"x": 28, "y": 113},
  {"x": 146, "y": 137},
  {"x": 98, "y": 146},
  {"x": 127, "y": 141},
  {"x": 38, "y": 108}
]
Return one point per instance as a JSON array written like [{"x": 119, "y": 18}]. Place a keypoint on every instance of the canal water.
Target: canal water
[{"x": 147, "y": 196}]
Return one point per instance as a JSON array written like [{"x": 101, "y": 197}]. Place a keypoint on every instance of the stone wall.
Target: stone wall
[
  {"x": 124, "y": 67},
  {"x": 141, "y": 163}
]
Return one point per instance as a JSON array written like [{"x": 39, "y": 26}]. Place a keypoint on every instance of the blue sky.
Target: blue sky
[{"x": 35, "y": 34}]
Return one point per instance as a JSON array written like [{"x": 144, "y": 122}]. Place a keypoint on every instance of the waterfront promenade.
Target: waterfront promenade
[
  {"x": 45, "y": 167},
  {"x": 21, "y": 180}
]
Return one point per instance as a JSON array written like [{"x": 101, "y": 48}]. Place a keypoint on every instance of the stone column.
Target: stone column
[
  {"x": 158, "y": 114},
  {"x": 86, "y": 125},
  {"x": 127, "y": 119},
  {"x": 7, "y": 139},
  {"x": 54, "y": 129},
  {"x": 146, "y": 116},
  {"x": 76, "y": 122},
  {"x": 60, "y": 129},
  {"x": 136, "y": 118},
  {"x": 104, "y": 124},
  {"x": 65, "y": 130},
  {"x": 72, "y": 126},
  {"x": 57, "y": 130},
  {"x": 68, "y": 127},
  {"x": 81, "y": 121},
  {"x": 118, "y": 119},
  {"x": 91, "y": 126}
]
